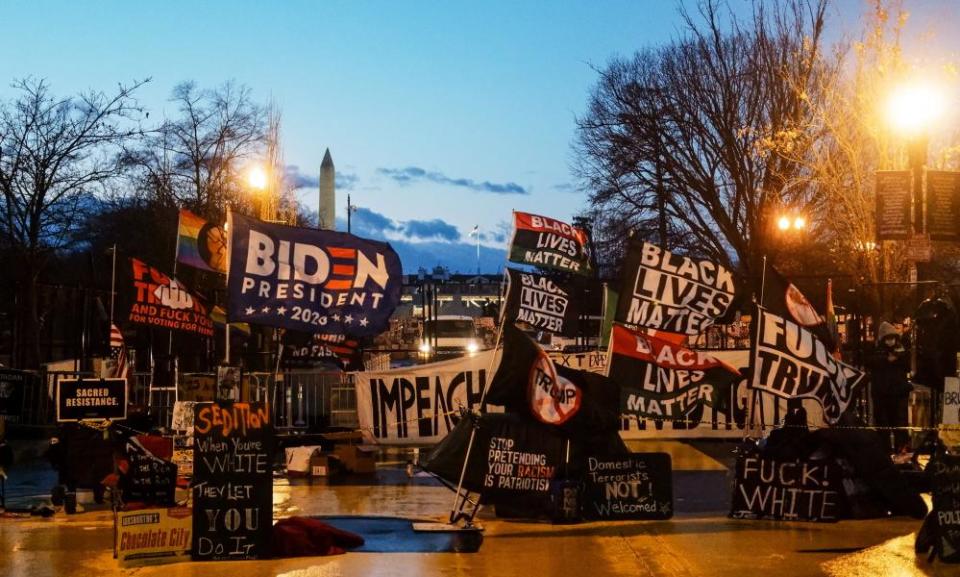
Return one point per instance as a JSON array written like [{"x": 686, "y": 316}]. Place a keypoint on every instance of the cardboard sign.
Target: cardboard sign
[
  {"x": 152, "y": 536},
  {"x": 951, "y": 401},
  {"x": 91, "y": 399},
  {"x": 946, "y": 503},
  {"x": 12, "y": 384},
  {"x": 594, "y": 361},
  {"x": 150, "y": 479},
  {"x": 801, "y": 490},
  {"x": 634, "y": 487},
  {"x": 232, "y": 481},
  {"x": 894, "y": 201}
]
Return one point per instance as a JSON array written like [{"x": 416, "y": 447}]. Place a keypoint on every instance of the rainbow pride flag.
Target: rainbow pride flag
[{"x": 201, "y": 243}]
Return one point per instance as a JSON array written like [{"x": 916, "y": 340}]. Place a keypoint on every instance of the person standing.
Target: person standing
[{"x": 890, "y": 387}]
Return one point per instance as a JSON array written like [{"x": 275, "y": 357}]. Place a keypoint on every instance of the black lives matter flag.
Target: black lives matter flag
[
  {"x": 549, "y": 243},
  {"x": 660, "y": 379},
  {"x": 541, "y": 303},
  {"x": 791, "y": 361},
  {"x": 529, "y": 383},
  {"x": 672, "y": 293}
]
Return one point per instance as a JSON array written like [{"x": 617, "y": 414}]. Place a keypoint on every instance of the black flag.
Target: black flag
[
  {"x": 529, "y": 383},
  {"x": 542, "y": 303}
]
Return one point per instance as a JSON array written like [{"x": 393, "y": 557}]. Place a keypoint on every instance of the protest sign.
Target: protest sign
[
  {"x": 162, "y": 301},
  {"x": 91, "y": 399},
  {"x": 672, "y": 293},
  {"x": 798, "y": 490},
  {"x": 149, "y": 479},
  {"x": 943, "y": 205},
  {"x": 790, "y": 361},
  {"x": 592, "y": 361},
  {"x": 419, "y": 405},
  {"x": 946, "y": 505},
  {"x": 147, "y": 536},
  {"x": 548, "y": 243},
  {"x": 542, "y": 303},
  {"x": 232, "y": 481},
  {"x": 633, "y": 487},
  {"x": 316, "y": 281},
  {"x": 12, "y": 384}
]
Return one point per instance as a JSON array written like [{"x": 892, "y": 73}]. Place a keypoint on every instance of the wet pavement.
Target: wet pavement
[{"x": 699, "y": 541}]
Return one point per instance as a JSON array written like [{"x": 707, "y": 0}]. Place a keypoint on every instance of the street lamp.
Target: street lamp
[
  {"x": 787, "y": 222},
  {"x": 259, "y": 182}
]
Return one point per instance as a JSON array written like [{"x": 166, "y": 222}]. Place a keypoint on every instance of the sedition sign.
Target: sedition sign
[
  {"x": 631, "y": 487},
  {"x": 91, "y": 399},
  {"x": 796, "y": 490},
  {"x": 894, "y": 202}
]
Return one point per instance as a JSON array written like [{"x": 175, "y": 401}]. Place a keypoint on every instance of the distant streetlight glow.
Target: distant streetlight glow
[
  {"x": 783, "y": 223},
  {"x": 257, "y": 178},
  {"x": 913, "y": 108},
  {"x": 799, "y": 223}
]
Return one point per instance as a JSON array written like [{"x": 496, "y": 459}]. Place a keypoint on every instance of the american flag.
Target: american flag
[{"x": 118, "y": 352}]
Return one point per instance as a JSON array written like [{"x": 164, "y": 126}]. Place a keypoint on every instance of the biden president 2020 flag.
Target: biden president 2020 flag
[{"x": 310, "y": 280}]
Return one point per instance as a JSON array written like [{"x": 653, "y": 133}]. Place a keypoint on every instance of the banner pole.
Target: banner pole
[
  {"x": 754, "y": 394},
  {"x": 457, "y": 509}
]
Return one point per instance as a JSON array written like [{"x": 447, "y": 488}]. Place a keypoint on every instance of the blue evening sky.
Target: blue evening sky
[{"x": 457, "y": 111}]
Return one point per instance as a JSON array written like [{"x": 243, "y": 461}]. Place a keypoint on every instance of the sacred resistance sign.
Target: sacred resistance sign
[
  {"x": 672, "y": 293},
  {"x": 541, "y": 303},
  {"x": 316, "y": 281},
  {"x": 790, "y": 361},
  {"x": 163, "y": 301},
  {"x": 549, "y": 243},
  {"x": 662, "y": 380},
  {"x": 419, "y": 405},
  {"x": 91, "y": 399}
]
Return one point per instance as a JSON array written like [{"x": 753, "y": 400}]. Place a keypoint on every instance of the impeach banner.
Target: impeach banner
[
  {"x": 672, "y": 293},
  {"x": 91, "y": 399},
  {"x": 662, "y": 380},
  {"x": 147, "y": 536},
  {"x": 796, "y": 490},
  {"x": 232, "y": 481},
  {"x": 541, "y": 303},
  {"x": 162, "y": 301},
  {"x": 549, "y": 243},
  {"x": 633, "y": 487},
  {"x": 790, "y": 361},
  {"x": 316, "y": 281},
  {"x": 419, "y": 405}
]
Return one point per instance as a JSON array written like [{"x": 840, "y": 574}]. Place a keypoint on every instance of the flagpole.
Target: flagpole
[
  {"x": 755, "y": 394},
  {"x": 113, "y": 283},
  {"x": 226, "y": 282},
  {"x": 458, "y": 505},
  {"x": 176, "y": 257}
]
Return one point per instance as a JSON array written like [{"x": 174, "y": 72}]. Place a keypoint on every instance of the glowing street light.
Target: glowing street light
[
  {"x": 913, "y": 108},
  {"x": 257, "y": 178},
  {"x": 783, "y": 223},
  {"x": 787, "y": 222}
]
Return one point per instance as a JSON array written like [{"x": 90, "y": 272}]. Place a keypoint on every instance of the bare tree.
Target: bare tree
[
  {"x": 195, "y": 158},
  {"x": 56, "y": 156},
  {"x": 702, "y": 137}
]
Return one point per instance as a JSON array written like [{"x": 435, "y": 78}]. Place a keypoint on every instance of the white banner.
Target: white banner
[{"x": 418, "y": 405}]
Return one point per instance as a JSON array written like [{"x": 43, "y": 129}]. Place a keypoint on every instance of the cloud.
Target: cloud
[
  {"x": 366, "y": 222},
  {"x": 564, "y": 187},
  {"x": 293, "y": 175},
  {"x": 427, "y": 229},
  {"x": 411, "y": 174}
]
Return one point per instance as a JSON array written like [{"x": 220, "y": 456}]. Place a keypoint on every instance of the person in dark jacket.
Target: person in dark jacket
[{"x": 890, "y": 387}]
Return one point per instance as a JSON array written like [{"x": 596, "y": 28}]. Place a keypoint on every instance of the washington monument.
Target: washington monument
[{"x": 328, "y": 198}]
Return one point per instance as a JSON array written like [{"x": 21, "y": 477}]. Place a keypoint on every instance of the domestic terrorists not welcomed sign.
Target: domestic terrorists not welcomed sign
[
  {"x": 91, "y": 399},
  {"x": 637, "y": 486},
  {"x": 232, "y": 481}
]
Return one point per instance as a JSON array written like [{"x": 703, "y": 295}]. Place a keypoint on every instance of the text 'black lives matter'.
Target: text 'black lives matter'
[{"x": 232, "y": 481}]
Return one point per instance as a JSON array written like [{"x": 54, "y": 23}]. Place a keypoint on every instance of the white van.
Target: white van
[{"x": 451, "y": 334}]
